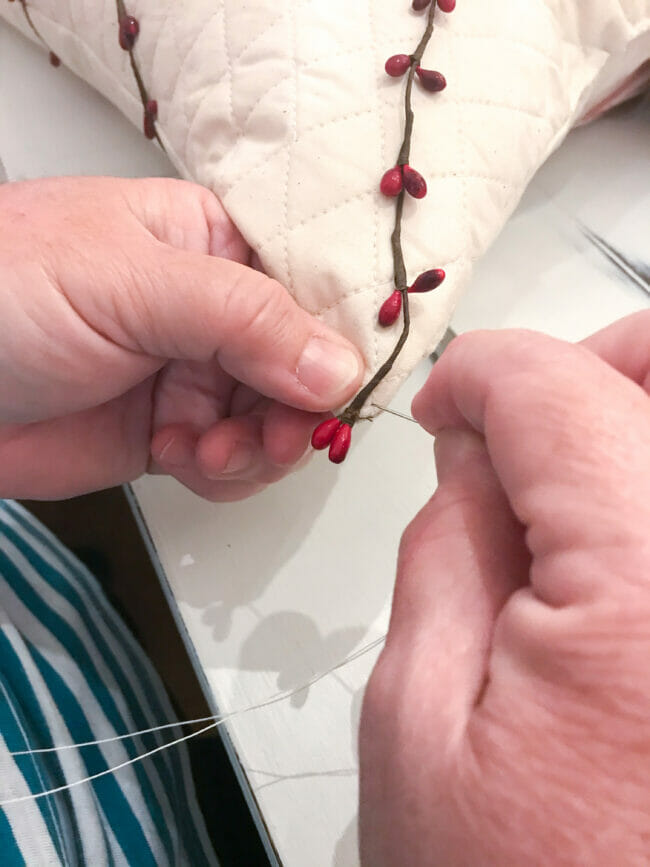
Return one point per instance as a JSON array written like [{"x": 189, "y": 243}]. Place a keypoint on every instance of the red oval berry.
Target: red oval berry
[
  {"x": 340, "y": 444},
  {"x": 414, "y": 183},
  {"x": 55, "y": 60},
  {"x": 397, "y": 65},
  {"x": 431, "y": 80},
  {"x": 324, "y": 433},
  {"x": 129, "y": 29},
  {"x": 150, "y": 115},
  {"x": 446, "y": 5},
  {"x": 428, "y": 280},
  {"x": 149, "y": 126},
  {"x": 391, "y": 183},
  {"x": 390, "y": 310},
  {"x": 419, "y": 5}
]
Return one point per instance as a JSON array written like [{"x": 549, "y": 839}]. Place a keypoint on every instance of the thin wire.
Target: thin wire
[
  {"x": 219, "y": 721},
  {"x": 216, "y": 718},
  {"x": 394, "y": 412},
  {"x": 448, "y": 336},
  {"x": 114, "y": 769}
]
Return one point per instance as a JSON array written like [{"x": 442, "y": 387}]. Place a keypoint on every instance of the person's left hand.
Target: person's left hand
[{"x": 135, "y": 337}]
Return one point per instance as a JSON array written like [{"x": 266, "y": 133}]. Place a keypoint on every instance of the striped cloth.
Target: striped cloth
[{"x": 71, "y": 672}]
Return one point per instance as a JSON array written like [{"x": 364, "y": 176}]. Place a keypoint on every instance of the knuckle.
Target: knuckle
[
  {"x": 259, "y": 306},
  {"x": 379, "y": 693},
  {"x": 412, "y": 537}
]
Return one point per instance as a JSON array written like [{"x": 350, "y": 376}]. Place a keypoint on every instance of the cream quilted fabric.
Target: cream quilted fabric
[{"x": 282, "y": 107}]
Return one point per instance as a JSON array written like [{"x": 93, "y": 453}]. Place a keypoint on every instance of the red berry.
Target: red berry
[
  {"x": 129, "y": 29},
  {"x": 428, "y": 280},
  {"x": 390, "y": 310},
  {"x": 324, "y": 433},
  {"x": 391, "y": 183},
  {"x": 419, "y": 5},
  {"x": 150, "y": 115},
  {"x": 55, "y": 60},
  {"x": 397, "y": 64},
  {"x": 431, "y": 80},
  {"x": 415, "y": 184},
  {"x": 446, "y": 5},
  {"x": 340, "y": 444}
]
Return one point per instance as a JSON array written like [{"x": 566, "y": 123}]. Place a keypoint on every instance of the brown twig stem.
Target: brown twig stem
[
  {"x": 351, "y": 413},
  {"x": 142, "y": 90},
  {"x": 33, "y": 27}
]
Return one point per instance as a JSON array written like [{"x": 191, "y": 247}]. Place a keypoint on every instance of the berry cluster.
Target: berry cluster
[
  {"x": 402, "y": 178},
  {"x": 335, "y": 434},
  {"x": 392, "y": 306}
]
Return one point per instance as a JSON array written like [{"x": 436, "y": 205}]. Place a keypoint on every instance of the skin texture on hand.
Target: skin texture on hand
[
  {"x": 507, "y": 721},
  {"x": 135, "y": 336}
]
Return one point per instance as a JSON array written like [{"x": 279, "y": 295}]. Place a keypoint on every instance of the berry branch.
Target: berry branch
[
  {"x": 129, "y": 29},
  {"x": 396, "y": 182},
  {"x": 54, "y": 60},
  {"x": 32, "y": 26}
]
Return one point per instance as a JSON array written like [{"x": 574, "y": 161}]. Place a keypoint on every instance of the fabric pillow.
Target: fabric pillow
[{"x": 283, "y": 108}]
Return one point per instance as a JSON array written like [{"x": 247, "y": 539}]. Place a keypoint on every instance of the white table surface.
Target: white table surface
[{"x": 274, "y": 590}]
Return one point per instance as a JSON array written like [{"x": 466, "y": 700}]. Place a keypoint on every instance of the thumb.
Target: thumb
[
  {"x": 196, "y": 307},
  {"x": 460, "y": 559}
]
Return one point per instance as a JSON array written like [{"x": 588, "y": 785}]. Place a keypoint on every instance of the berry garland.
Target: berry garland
[
  {"x": 402, "y": 178},
  {"x": 54, "y": 60},
  {"x": 396, "y": 182},
  {"x": 129, "y": 30}
]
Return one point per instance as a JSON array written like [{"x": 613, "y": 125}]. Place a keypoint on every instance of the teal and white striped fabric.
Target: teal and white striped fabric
[{"x": 71, "y": 672}]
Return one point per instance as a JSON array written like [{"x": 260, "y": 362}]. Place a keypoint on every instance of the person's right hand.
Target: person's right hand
[
  {"x": 507, "y": 722},
  {"x": 135, "y": 337}
]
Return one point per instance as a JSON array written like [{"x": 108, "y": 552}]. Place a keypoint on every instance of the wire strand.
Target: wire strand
[{"x": 215, "y": 721}]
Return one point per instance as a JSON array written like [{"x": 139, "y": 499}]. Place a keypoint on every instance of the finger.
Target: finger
[
  {"x": 625, "y": 345},
  {"x": 460, "y": 559},
  {"x": 217, "y": 492},
  {"x": 264, "y": 447},
  {"x": 186, "y": 216},
  {"x": 232, "y": 449},
  {"x": 186, "y": 305},
  {"x": 209, "y": 464},
  {"x": 287, "y": 434},
  {"x": 569, "y": 439},
  {"x": 82, "y": 452},
  {"x": 174, "y": 453},
  {"x": 172, "y": 448}
]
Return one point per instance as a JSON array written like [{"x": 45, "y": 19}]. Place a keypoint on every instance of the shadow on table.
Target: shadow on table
[
  {"x": 266, "y": 650},
  {"x": 277, "y": 520}
]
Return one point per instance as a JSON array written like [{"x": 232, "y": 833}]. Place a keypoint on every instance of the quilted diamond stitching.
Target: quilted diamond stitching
[
  {"x": 293, "y": 240},
  {"x": 291, "y": 139}
]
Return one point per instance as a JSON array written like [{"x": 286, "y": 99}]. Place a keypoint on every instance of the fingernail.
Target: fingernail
[
  {"x": 453, "y": 448},
  {"x": 327, "y": 369},
  {"x": 241, "y": 457},
  {"x": 174, "y": 453}
]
